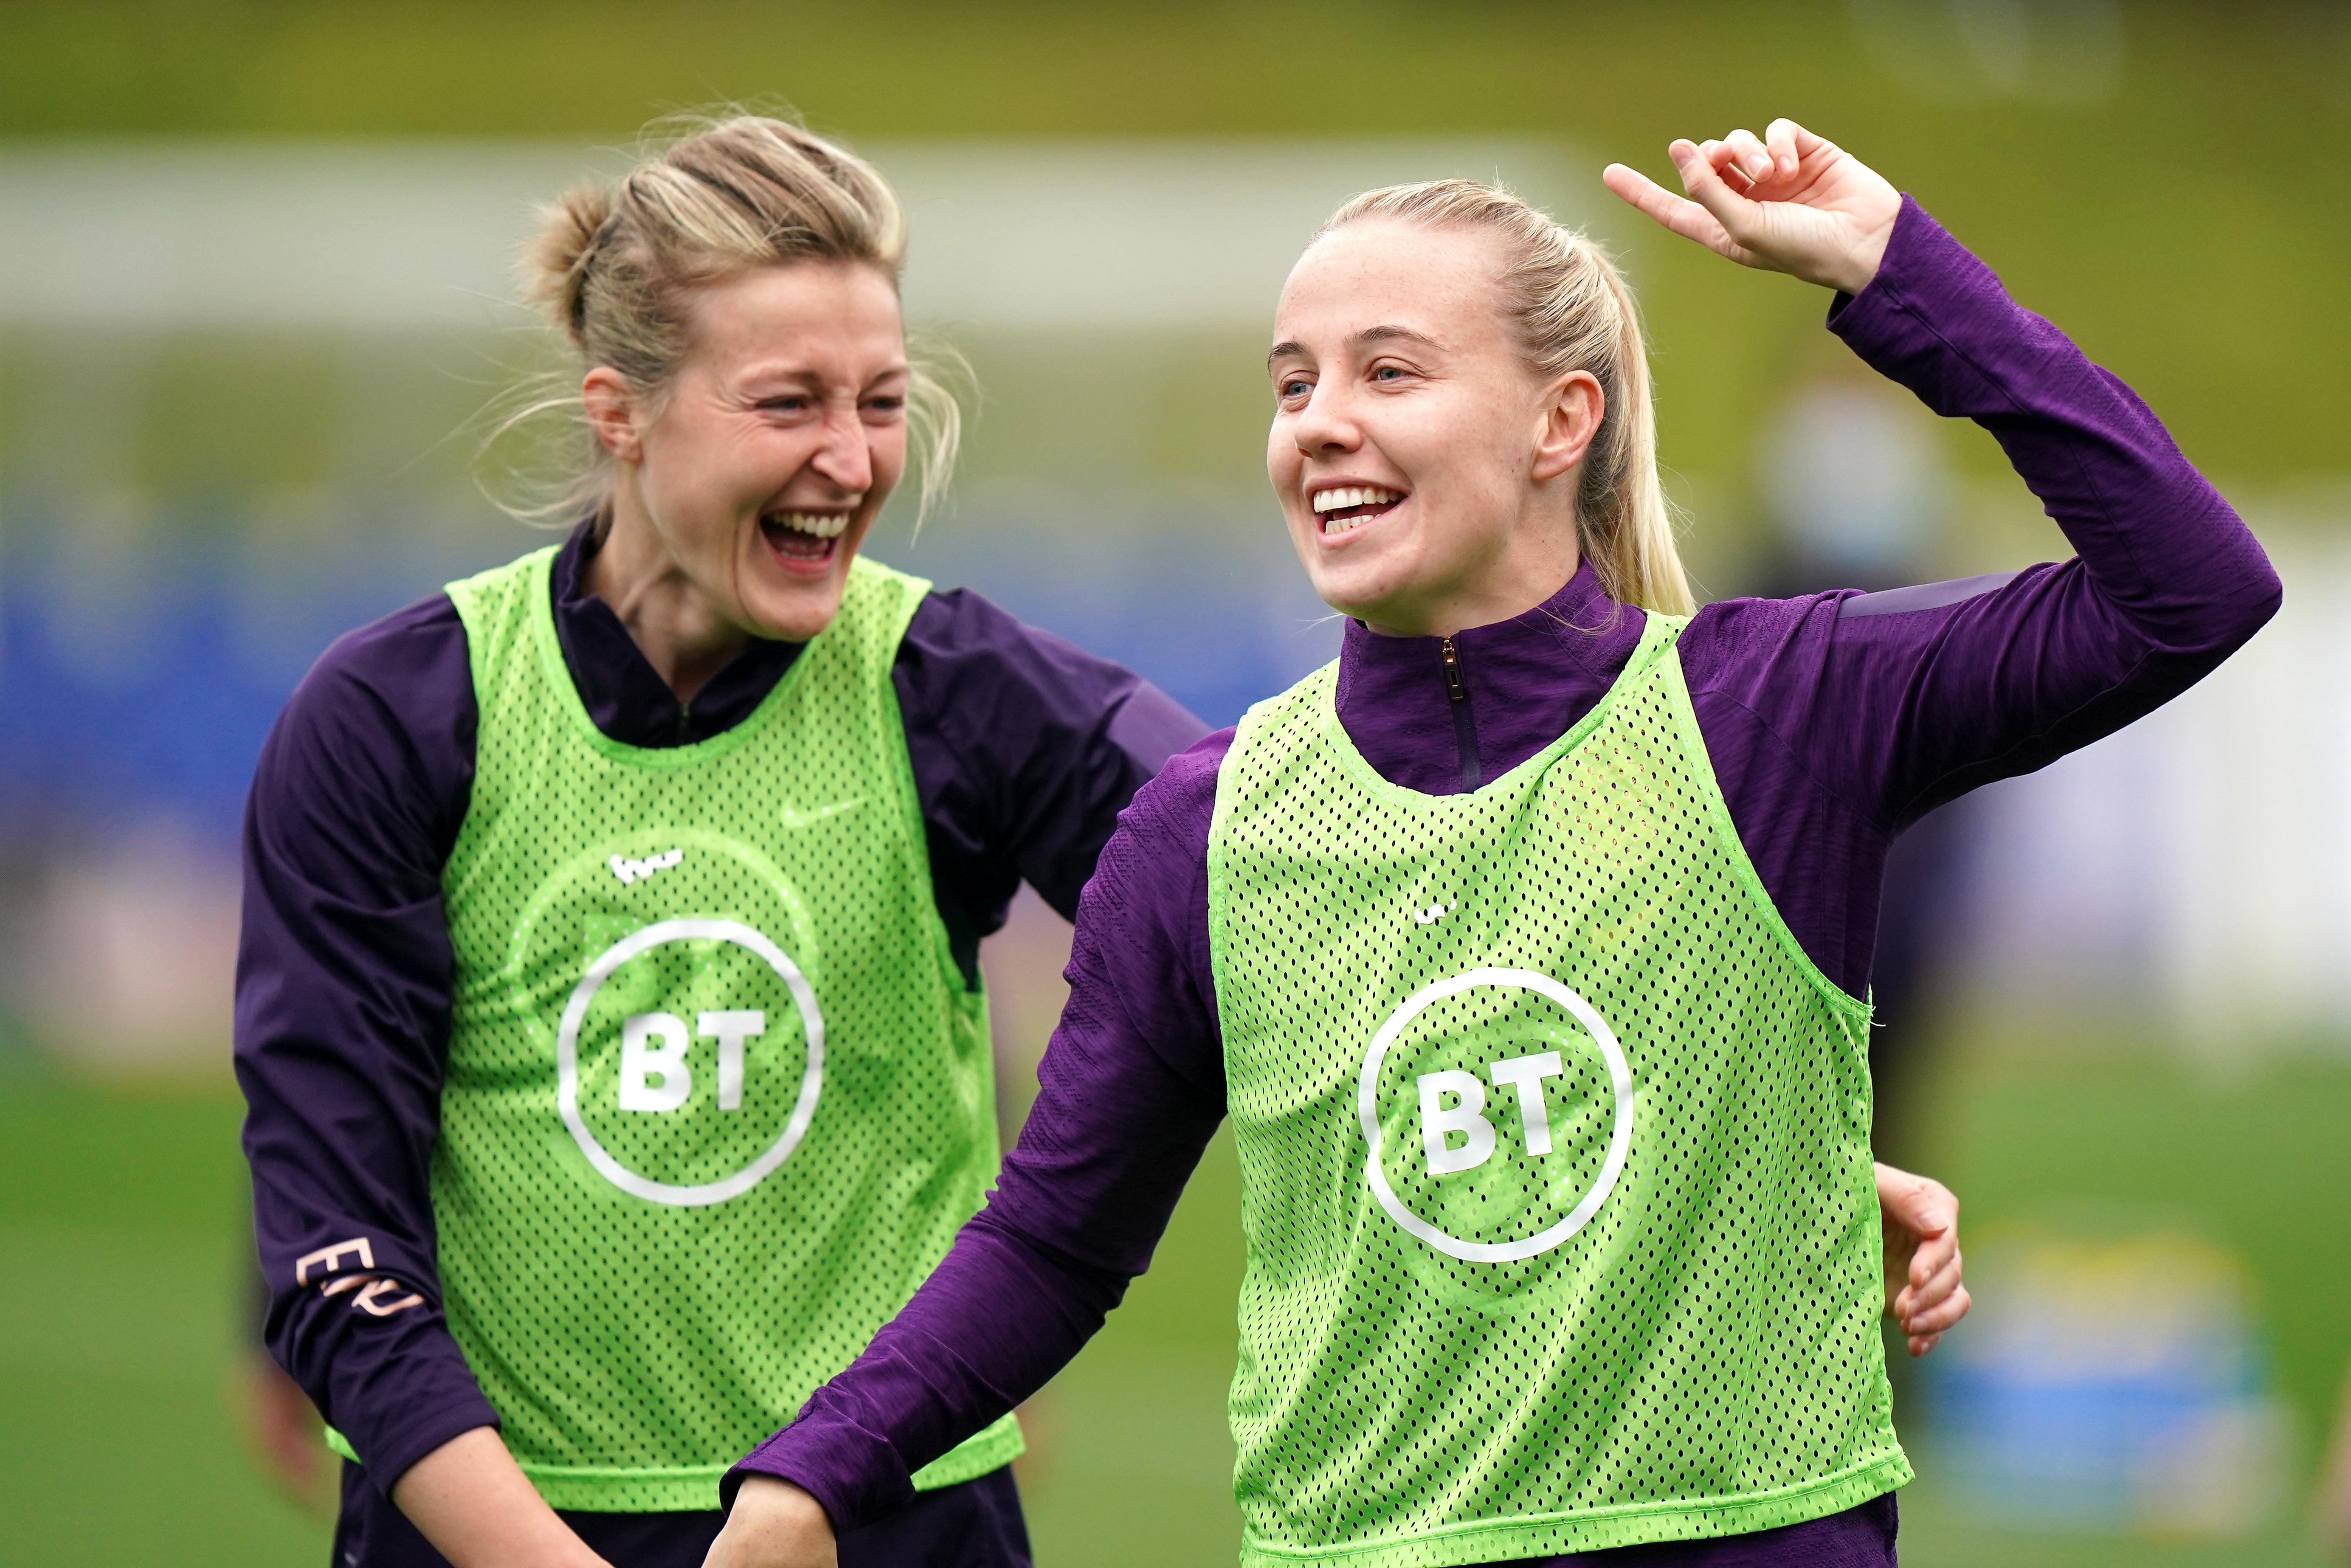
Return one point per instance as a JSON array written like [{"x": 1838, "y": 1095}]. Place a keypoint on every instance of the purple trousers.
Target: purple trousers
[
  {"x": 974, "y": 1525},
  {"x": 1860, "y": 1537}
]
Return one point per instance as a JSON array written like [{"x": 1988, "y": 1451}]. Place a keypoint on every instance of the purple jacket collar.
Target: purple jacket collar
[
  {"x": 1512, "y": 688},
  {"x": 625, "y": 696}
]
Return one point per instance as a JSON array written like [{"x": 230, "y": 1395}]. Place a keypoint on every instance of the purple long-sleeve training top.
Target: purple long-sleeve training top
[
  {"x": 1833, "y": 722},
  {"x": 1024, "y": 748}
]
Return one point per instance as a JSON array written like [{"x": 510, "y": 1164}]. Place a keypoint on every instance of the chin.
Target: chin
[
  {"x": 1361, "y": 589},
  {"x": 795, "y": 614}
]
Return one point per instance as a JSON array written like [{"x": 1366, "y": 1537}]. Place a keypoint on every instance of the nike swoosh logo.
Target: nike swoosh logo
[{"x": 796, "y": 819}]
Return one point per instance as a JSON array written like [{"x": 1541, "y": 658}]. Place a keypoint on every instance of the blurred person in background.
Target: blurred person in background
[
  {"x": 1536, "y": 780},
  {"x": 701, "y": 778}
]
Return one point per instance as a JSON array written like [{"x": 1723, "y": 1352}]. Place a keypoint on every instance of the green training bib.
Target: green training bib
[
  {"x": 717, "y": 1098},
  {"x": 1562, "y": 1232}
]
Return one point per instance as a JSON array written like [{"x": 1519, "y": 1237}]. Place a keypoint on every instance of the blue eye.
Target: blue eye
[
  {"x": 1386, "y": 371},
  {"x": 1295, "y": 389}
]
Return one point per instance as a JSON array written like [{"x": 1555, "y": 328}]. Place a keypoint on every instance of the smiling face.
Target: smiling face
[
  {"x": 745, "y": 489},
  {"x": 1426, "y": 474}
]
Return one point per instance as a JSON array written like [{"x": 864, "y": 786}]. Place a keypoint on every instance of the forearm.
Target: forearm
[
  {"x": 473, "y": 1502},
  {"x": 343, "y": 979},
  {"x": 2162, "y": 546},
  {"x": 396, "y": 1389},
  {"x": 1100, "y": 1166},
  {"x": 343, "y": 1222},
  {"x": 993, "y": 1323},
  {"x": 1898, "y": 702},
  {"x": 1129, "y": 1092}
]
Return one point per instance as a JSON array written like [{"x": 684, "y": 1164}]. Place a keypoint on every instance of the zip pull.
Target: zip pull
[{"x": 1465, "y": 730}]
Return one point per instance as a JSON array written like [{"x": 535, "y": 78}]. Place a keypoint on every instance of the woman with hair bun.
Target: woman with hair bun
[
  {"x": 1526, "y": 945},
  {"x": 609, "y": 1008}
]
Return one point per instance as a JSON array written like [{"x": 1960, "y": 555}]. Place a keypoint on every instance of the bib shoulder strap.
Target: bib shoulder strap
[
  {"x": 494, "y": 607},
  {"x": 876, "y": 607}
]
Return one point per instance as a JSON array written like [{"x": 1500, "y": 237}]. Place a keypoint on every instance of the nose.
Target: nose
[
  {"x": 1326, "y": 425},
  {"x": 843, "y": 456}
]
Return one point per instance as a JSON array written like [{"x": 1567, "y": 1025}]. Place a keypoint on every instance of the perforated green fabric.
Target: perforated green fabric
[
  {"x": 1555, "y": 1154},
  {"x": 717, "y": 1099}
]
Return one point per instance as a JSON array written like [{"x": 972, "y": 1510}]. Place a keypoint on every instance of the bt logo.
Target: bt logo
[
  {"x": 656, "y": 1074},
  {"x": 643, "y": 1061},
  {"x": 1468, "y": 1115}
]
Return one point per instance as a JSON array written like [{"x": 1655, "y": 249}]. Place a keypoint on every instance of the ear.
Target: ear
[
  {"x": 611, "y": 406},
  {"x": 1570, "y": 418}
]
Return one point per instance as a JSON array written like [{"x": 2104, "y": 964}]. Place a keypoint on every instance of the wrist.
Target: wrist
[
  {"x": 1861, "y": 266},
  {"x": 783, "y": 1502},
  {"x": 473, "y": 1502}
]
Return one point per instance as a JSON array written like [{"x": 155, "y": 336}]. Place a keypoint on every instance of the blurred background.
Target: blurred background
[{"x": 256, "y": 288}]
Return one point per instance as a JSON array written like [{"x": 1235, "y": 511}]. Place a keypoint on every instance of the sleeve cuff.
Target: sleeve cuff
[
  {"x": 1931, "y": 305},
  {"x": 388, "y": 1449},
  {"x": 853, "y": 1473},
  {"x": 1918, "y": 244}
]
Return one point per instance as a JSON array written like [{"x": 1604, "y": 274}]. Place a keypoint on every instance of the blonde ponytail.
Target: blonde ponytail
[{"x": 1572, "y": 310}]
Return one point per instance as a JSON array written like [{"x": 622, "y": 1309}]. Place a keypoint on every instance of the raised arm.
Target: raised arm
[
  {"x": 1130, "y": 1091},
  {"x": 1898, "y": 702}
]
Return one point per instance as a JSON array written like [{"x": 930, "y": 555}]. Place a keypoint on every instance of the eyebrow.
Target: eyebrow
[
  {"x": 1386, "y": 334},
  {"x": 784, "y": 372},
  {"x": 1383, "y": 333}
]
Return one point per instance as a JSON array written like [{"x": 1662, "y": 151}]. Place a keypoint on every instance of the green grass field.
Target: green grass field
[{"x": 120, "y": 1247}]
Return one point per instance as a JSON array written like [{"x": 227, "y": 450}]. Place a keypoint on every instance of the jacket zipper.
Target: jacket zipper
[{"x": 1464, "y": 729}]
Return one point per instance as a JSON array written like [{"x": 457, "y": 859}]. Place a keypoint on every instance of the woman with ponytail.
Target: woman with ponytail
[
  {"x": 609, "y": 1008},
  {"x": 1527, "y": 945}
]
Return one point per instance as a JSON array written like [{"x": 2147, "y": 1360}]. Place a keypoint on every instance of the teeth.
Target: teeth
[
  {"x": 819, "y": 525},
  {"x": 1356, "y": 496}
]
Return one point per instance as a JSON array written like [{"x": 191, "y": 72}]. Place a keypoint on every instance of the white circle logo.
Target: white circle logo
[
  {"x": 567, "y": 1062},
  {"x": 1620, "y": 1079}
]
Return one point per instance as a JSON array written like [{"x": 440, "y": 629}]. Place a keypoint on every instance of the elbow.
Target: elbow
[
  {"x": 2232, "y": 592},
  {"x": 2271, "y": 598},
  {"x": 2249, "y": 604}
]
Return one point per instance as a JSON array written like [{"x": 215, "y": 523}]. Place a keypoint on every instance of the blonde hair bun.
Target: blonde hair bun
[{"x": 616, "y": 268}]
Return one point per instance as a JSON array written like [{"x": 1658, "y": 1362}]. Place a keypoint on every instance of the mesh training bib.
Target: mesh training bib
[
  {"x": 717, "y": 1099},
  {"x": 1562, "y": 1233}
]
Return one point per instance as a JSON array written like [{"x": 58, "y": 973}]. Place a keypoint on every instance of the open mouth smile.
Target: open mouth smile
[
  {"x": 803, "y": 539},
  {"x": 1350, "y": 507}
]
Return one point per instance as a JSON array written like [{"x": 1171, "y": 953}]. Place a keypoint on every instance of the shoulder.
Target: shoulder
[
  {"x": 958, "y": 636},
  {"x": 965, "y": 655},
  {"x": 406, "y": 669},
  {"x": 1733, "y": 643},
  {"x": 385, "y": 719}
]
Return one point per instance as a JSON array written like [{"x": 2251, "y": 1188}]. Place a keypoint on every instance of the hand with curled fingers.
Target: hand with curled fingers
[
  {"x": 1921, "y": 1221},
  {"x": 1786, "y": 202},
  {"x": 774, "y": 1524}
]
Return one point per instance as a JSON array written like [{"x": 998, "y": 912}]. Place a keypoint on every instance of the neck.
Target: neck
[
  {"x": 1526, "y": 575},
  {"x": 674, "y": 622}
]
